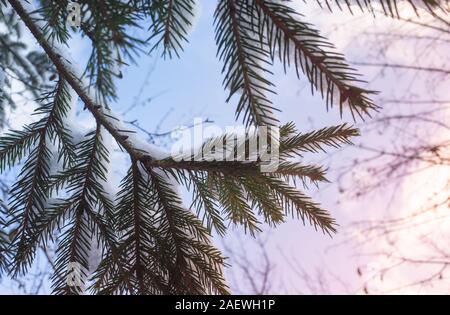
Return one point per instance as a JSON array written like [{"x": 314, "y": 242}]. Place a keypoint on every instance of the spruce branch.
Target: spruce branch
[
  {"x": 14, "y": 145},
  {"x": 204, "y": 199},
  {"x": 28, "y": 197},
  {"x": 295, "y": 144},
  {"x": 245, "y": 63},
  {"x": 73, "y": 248},
  {"x": 235, "y": 203},
  {"x": 171, "y": 20},
  {"x": 64, "y": 70},
  {"x": 135, "y": 260},
  {"x": 196, "y": 265},
  {"x": 52, "y": 12},
  {"x": 29, "y": 194},
  {"x": 298, "y": 43},
  {"x": 90, "y": 206},
  {"x": 107, "y": 27},
  {"x": 239, "y": 187}
]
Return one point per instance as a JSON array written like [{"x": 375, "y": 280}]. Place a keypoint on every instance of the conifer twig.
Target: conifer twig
[{"x": 75, "y": 83}]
